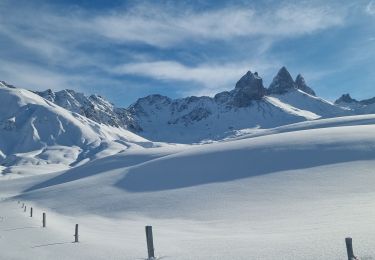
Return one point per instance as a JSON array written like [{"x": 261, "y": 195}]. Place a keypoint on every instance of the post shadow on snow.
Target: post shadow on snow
[
  {"x": 156, "y": 258},
  {"x": 53, "y": 244},
  {"x": 221, "y": 166},
  {"x": 18, "y": 228},
  {"x": 94, "y": 168}
]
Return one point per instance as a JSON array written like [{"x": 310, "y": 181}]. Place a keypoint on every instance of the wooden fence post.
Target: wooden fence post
[
  {"x": 349, "y": 248},
  {"x": 31, "y": 212},
  {"x": 150, "y": 242},
  {"x": 44, "y": 219},
  {"x": 76, "y": 234}
]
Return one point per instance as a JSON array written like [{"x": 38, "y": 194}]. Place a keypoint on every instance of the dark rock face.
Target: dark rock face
[
  {"x": 223, "y": 97},
  {"x": 6, "y": 84},
  {"x": 345, "y": 98},
  {"x": 282, "y": 82},
  {"x": 195, "y": 115},
  {"x": 301, "y": 84},
  {"x": 248, "y": 88}
]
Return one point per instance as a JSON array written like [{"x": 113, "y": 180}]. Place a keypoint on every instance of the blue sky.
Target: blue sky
[{"x": 124, "y": 50}]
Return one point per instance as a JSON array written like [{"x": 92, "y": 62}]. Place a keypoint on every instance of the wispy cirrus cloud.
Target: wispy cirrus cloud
[
  {"x": 165, "y": 28},
  {"x": 212, "y": 76},
  {"x": 162, "y": 26},
  {"x": 34, "y": 77}
]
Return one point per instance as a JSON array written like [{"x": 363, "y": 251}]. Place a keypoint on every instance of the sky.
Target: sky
[{"x": 124, "y": 50}]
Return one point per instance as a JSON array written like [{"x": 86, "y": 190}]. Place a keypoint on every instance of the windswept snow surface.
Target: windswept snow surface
[{"x": 285, "y": 195}]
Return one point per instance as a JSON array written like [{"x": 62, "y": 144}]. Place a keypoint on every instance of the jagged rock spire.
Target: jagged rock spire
[
  {"x": 282, "y": 82},
  {"x": 301, "y": 84},
  {"x": 249, "y": 87}
]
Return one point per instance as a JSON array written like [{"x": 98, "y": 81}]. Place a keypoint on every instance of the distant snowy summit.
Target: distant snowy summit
[
  {"x": 250, "y": 87},
  {"x": 366, "y": 106},
  {"x": 283, "y": 82},
  {"x": 193, "y": 119}
]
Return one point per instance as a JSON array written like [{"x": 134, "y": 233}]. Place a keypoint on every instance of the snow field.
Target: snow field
[{"x": 292, "y": 195}]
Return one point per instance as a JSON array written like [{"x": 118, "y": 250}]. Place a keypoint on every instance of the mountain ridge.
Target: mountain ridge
[{"x": 194, "y": 119}]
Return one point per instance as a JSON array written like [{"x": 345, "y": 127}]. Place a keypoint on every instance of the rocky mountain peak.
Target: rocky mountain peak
[
  {"x": 249, "y": 87},
  {"x": 249, "y": 80},
  {"x": 284, "y": 73},
  {"x": 282, "y": 82},
  {"x": 345, "y": 98},
  {"x": 301, "y": 84}
]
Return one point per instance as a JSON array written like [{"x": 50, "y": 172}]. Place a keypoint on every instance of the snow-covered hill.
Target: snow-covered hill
[
  {"x": 295, "y": 193},
  {"x": 35, "y": 131}
]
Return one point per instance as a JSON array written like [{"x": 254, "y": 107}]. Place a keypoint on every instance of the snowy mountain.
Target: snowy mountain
[
  {"x": 35, "y": 131},
  {"x": 196, "y": 119},
  {"x": 248, "y": 105},
  {"x": 366, "y": 106},
  {"x": 93, "y": 107}
]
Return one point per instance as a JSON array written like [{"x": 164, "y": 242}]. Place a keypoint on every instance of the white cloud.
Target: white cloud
[
  {"x": 46, "y": 48},
  {"x": 56, "y": 35},
  {"x": 32, "y": 77},
  {"x": 370, "y": 8},
  {"x": 213, "y": 77},
  {"x": 169, "y": 27}
]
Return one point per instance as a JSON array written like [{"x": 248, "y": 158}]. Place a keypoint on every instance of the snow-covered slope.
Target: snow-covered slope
[
  {"x": 316, "y": 105},
  {"x": 289, "y": 195},
  {"x": 35, "y": 131},
  {"x": 197, "y": 119}
]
